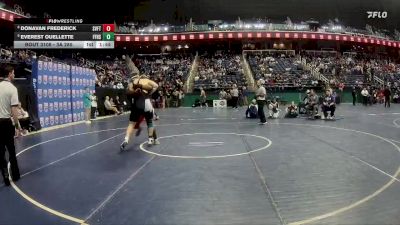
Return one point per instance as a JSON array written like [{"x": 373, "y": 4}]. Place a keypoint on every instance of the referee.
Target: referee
[{"x": 8, "y": 114}]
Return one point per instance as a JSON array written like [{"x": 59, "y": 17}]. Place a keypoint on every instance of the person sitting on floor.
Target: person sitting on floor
[
  {"x": 396, "y": 98},
  {"x": 329, "y": 105},
  {"x": 273, "y": 109},
  {"x": 108, "y": 105},
  {"x": 291, "y": 111},
  {"x": 252, "y": 110}
]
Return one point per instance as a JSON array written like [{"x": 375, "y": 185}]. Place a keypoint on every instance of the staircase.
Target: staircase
[
  {"x": 193, "y": 73},
  {"x": 248, "y": 74}
]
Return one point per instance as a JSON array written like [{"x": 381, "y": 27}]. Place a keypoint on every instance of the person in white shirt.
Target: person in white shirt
[
  {"x": 273, "y": 109},
  {"x": 261, "y": 94},
  {"x": 235, "y": 96},
  {"x": 365, "y": 94},
  {"x": 222, "y": 94},
  {"x": 93, "y": 111},
  {"x": 8, "y": 119},
  {"x": 23, "y": 118}
]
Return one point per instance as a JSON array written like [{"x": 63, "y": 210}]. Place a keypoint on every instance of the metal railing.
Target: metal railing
[
  {"x": 251, "y": 84},
  {"x": 192, "y": 74}
]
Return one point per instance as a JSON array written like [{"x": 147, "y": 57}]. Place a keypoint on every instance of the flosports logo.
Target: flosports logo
[{"x": 377, "y": 14}]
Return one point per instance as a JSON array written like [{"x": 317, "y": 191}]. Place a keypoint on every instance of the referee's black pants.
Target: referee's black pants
[
  {"x": 261, "y": 114},
  {"x": 7, "y": 133},
  {"x": 387, "y": 101}
]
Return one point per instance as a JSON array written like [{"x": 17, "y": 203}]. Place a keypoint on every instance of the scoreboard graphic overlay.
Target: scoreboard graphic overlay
[
  {"x": 62, "y": 34},
  {"x": 53, "y": 87}
]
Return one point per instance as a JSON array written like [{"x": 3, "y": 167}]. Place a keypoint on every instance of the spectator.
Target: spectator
[
  {"x": 109, "y": 106},
  {"x": 222, "y": 94},
  {"x": 353, "y": 94},
  {"x": 396, "y": 97},
  {"x": 273, "y": 109},
  {"x": 203, "y": 98},
  {"x": 291, "y": 111},
  {"x": 387, "y": 93},
  {"x": 235, "y": 96},
  {"x": 23, "y": 118},
  {"x": 328, "y": 105},
  {"x": 119, "y": 104},
  {"x": 252, "y": 110},
  {"x": 365, "y": 95},
  {"x": 93, "y": 110},
  {"x": 87, "y": 103},
  {"x": 244, "y": 95}
]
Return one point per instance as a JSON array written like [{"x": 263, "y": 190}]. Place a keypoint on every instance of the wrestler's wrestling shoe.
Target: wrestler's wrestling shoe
[
  {"x": 123, "y": 145},
  {"x": 153, "y": 141}
]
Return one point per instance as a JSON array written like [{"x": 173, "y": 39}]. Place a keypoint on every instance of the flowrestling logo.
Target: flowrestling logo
[
  {"x": 39, "y": 79},
  {"x": 55, "y": 106},
  {"x": 51, "y": 107},
  {"x": 42, "y": 121},
  {"x": 377, "y": 14},
  {"x": 40, "y": 107},
  {"x": 61, "y": 119},
  {"x": 56, "y": 120},
  {"x": 44, "y": 93}
]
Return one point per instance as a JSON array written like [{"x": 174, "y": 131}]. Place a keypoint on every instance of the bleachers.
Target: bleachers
[
  {"x": 219, "y": 71},
  {"x": 278, "y": 69}
]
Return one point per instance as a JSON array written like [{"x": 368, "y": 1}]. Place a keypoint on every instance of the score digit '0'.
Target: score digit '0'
[{"x": 108, "y": 27}]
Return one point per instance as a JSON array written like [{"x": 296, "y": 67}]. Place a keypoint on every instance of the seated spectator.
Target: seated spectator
[
  {"x": 252, "y": 110},
  {"x": 329, "y": 105},
  {"x": 119, "y": 104},
  {"x": 222, "y": 94},
  {"x": 312, "y": 104},
  {"x": 273, "y": 109},
  {"x": 23, "y": 118},
  {"x": 291, "y": 111},
  {"x": 396, "y": 98},
  {"x": 110, "y": 107}
]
